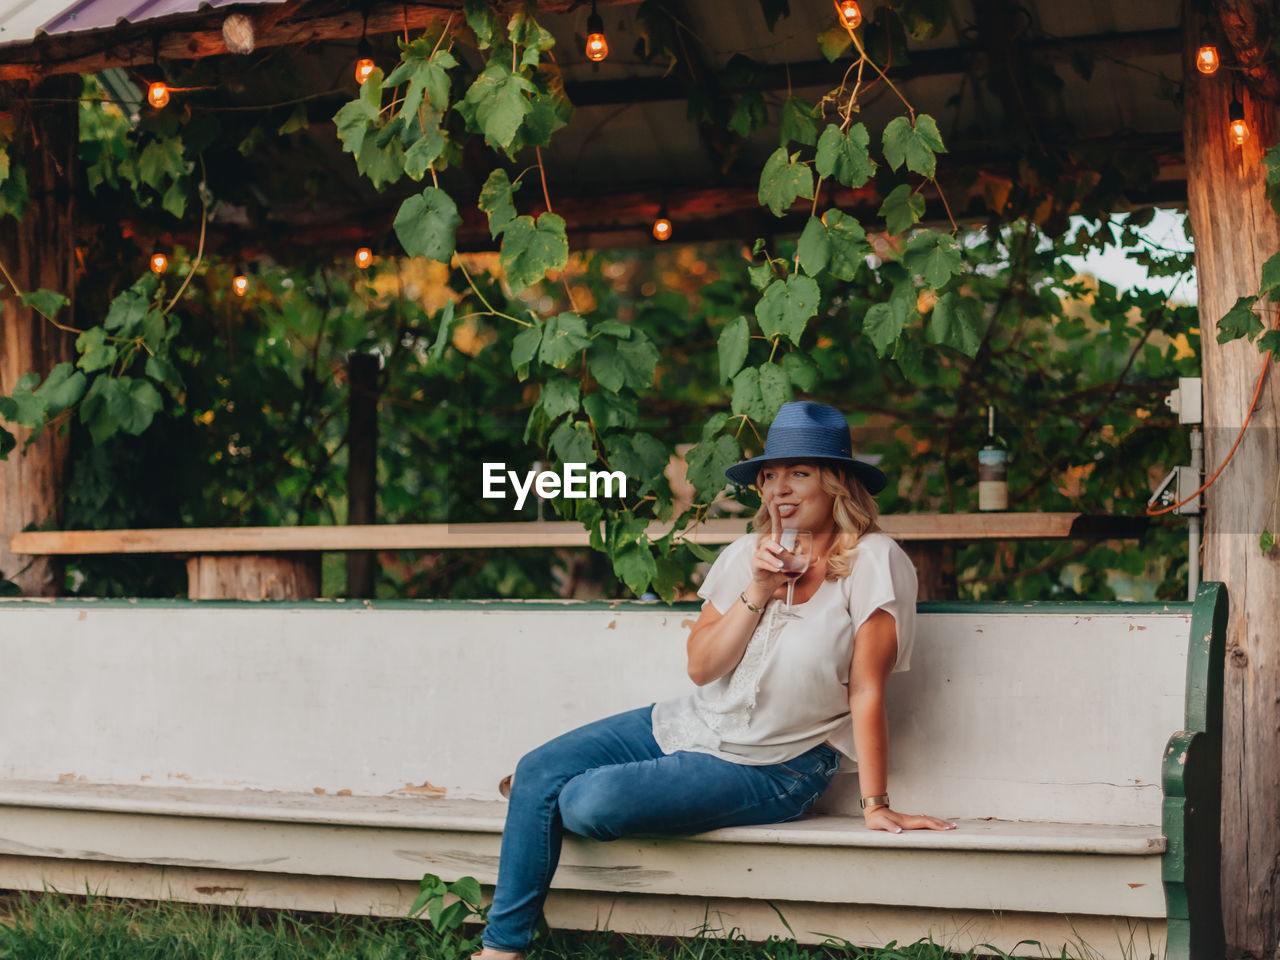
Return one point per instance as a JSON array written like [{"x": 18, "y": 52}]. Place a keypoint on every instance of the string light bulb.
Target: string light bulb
[
  {"x": 850, "y": 14},
  {"x": 662, "y": 226},
  {"x": 158, "y": 94},
  {"x": 597, "y": 45},
  {"x": 1207, "y": 61},
  {"x": 364, "y": 257},
  {"x": 240, "y": 285},
  {"x": 364, "y": 63},
  {"x": 159, "y": 263},
  {"x": 1236, "y": 127}
]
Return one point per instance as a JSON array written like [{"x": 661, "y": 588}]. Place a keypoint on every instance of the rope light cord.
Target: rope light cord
[{"x": 1257, "y": 392}]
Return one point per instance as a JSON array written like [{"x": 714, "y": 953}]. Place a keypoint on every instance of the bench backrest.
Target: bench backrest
[{"x": 1035, "y": 712}]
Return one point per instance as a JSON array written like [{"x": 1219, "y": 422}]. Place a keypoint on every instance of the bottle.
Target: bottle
[{"x": 993, "y": 469}]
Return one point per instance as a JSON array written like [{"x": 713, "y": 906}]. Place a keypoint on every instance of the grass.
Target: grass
[{"x": 54, "y": 926}]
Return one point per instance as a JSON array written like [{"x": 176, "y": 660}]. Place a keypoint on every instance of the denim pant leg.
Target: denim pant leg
[
  {"x": 685, "y": 793},
  {"x": 533, "y": 831}
]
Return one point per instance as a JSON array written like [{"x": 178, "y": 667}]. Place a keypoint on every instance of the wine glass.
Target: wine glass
[{"x": 797, "y": 546}]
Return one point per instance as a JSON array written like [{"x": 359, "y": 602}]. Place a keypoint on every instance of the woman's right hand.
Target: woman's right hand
[{"x": 766, "y": 567}]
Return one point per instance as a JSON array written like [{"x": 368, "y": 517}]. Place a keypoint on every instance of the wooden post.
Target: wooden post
[
  {"x": 362, "y": 466},
  {"x": 38, "y": 252},
  {"x": 1235, "y": 232},
  {"x": 253, "y": 576}
]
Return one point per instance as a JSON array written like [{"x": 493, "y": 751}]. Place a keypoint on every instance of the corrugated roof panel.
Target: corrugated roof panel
[{"x": 23, "y": 20}]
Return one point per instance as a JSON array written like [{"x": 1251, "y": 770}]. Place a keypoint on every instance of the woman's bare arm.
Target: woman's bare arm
[{"x": 875, "y": 651}]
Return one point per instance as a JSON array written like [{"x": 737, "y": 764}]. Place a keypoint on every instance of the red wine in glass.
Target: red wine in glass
[{"x": 797, "y": 546}]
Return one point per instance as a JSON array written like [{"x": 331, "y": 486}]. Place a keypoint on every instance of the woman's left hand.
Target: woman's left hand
[{"x": 883, "y": 818}]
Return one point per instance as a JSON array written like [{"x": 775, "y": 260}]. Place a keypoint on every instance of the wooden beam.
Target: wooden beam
[
  {"x": 177, "y": 38},
  {"x": 954, "y": 527}
]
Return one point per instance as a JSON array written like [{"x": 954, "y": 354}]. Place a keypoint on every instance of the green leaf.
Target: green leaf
[
  {"x": 814, "y": 248},
  {"x": 915, "y": 144},
  {"x": 1270, "y": 276},
  {"x": 901, "y": 209},
  {"x": 444, "y": 334},
  {"x": 715, "y": 423},
  {"x": 160, "y": 161},
  {"x": 956, "y": 322},
  {"x": 608, "y": 410},
  {"x": 424, "y": 152},
  {"x": 641, "y": 457},
  {"x": 425, "y": 66},
  {"x": 786, "y": 307},
  {"x": 800, "y": 371},
  {"x": 496, "y": 103},
  {"x": 797, "y": 123},
  {"x": 562, "y": 338},
  {"x": 119, "y": 403},
  {"x": 884, "y": 322},
  {"x": 354, "y": 118},
  {"x": 426, "y": 223},
  {"x": 559, "y": 396},
  {"x": 1270, "y": 342},
  {"x": 381, "y": 160},
  {"x": 126, "y": 312},
  {"x": 13, "y": 193},
  {"x": 158, "y": 368},
  {"x": 297, "y": 120},
  {"x": 640, "y": 361},
  {"x": 483, "y": 23},
  {"x": 782, "y": 181},
  {"x": 933, "y": 256},
  {"x": 1240, "y": 321},
  {"x": 761, "y": 275},
  {"x": 705, "y": 554},
  {"x": 25, "y": 406},
  {"x": 845, "y": 157},
  {"x": 635, "y": 567},
  {"x": 47, "y": 303},
  {"x": 524, "y": 348},
  {"x": 498, "y": 201},
  {"x": 466, "y": 889},
  {"x": 95, "y": 352},
  {"x": 747, "y": 400},
  {"x": 834, "y": 41},
  {"x": 1266, "y": 541},
  {"x": 909, "y": 357},
  {"x": 775, "y": 389},
  {"x": 732, "y": 347},
  {"x": 7, "y": 442},
  {"x": 773, "y": 10},
  {"x": 708, "y": 462},
  {"x": 612, "y": 328},
  {"x": 63, "y": 387},
  {"x": 847, "y": 242},
  {"x": 573, "y": 443},
  {"x": 529, "y": 251},
  {"x": 667, "y": 581},
  {"x": 749, "y": 115},
  {"x": 175, "y": 200},
  {"x": 924, "y": 19},
  {"x": 526, "y": 32}
]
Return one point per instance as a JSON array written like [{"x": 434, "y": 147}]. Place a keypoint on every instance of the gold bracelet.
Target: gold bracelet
[
  {"x": 880, "y": 801},
  {"x": 750, "y": 606}
]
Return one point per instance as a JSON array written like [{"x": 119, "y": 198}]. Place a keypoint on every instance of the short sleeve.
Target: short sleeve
[
  {"x": 729, "y": 574},
  {"x": 884, "y": 578}
]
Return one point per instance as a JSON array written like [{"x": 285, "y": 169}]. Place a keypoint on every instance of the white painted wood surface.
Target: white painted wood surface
[{"x": 1040, "y": 716}]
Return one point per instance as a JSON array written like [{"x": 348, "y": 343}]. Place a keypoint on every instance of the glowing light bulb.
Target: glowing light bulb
[
  {"x": 364, "y": 67},
  {"x": 1239, "y": 131},
  {"x": 364, "y": 257},
  {"x": 850, "y": 13},
  {"x": 662, "y": 229},
  {"x": 159, "y": 263},
  {"x": 158, "y": 94},
  {"x": 240, "y": 285},
  {"x": 1207, "y": 59},
  {"x": 597, "y": 46}
]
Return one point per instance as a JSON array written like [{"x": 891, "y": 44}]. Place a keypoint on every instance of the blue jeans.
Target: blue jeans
[{"x": 611, "y": 779}]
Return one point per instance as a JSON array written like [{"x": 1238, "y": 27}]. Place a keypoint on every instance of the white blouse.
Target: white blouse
[{"x": 790, "y": 692}]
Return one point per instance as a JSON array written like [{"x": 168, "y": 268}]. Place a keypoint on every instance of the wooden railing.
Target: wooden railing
[{"x": 278, "y": 563}]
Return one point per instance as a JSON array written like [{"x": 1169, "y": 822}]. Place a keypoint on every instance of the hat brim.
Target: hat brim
[{"x": 873, "y": 478}]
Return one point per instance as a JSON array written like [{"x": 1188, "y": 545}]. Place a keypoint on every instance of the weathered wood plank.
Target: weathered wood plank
[
  {"x": 444, "y": 536},
  {"x": 1235, "y": 233}
]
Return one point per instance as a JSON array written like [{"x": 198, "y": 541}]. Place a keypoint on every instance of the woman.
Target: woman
[{"x": 780, "y": 699}]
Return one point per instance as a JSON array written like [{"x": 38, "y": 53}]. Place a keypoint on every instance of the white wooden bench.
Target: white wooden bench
[{"x": 324, "y": 755}]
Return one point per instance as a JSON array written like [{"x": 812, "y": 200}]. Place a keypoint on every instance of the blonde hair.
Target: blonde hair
[{"x": 854, "y": 511}]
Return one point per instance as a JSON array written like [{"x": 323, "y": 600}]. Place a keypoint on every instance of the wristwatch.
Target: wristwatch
[{"x": 880, "y": 801}]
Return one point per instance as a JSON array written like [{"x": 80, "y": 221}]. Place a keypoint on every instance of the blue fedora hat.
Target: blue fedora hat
[{"x": 804, "y": 430}]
